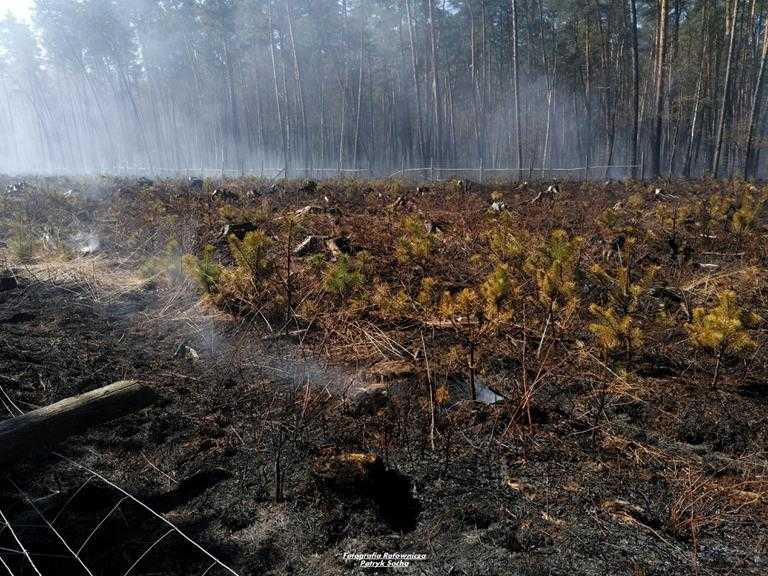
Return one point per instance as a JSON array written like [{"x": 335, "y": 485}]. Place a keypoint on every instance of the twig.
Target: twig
[
  {"x": 543, "y": 335},
  {"x": 8, "y": 408},
  {"x": 19, "y": 410},
  {"x": 431, "y": 394},
  {"x": 724, "y": 254},
  {"x": 172, "y": 479}
]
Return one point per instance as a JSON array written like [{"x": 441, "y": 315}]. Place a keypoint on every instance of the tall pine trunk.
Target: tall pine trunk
[
  {"x": 416, "y": 84},
  {"x": 438, "y": 137},
  {"x": 300, "y": 85},
  {"x": 635, "y": 88},
  {"x": 750, "y": 170},
  {"x": 724, "y": 101},
  {"x": 280, "y": 116},
  {"x": 658, "y": 107},
  {"x": 516, "y": 85}
]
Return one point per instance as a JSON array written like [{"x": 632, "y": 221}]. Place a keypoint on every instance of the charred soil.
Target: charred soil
[{"x": 319, "y": 402}]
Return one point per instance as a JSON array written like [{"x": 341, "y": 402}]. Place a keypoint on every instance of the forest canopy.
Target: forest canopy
[{"x": 653, "y": 88}]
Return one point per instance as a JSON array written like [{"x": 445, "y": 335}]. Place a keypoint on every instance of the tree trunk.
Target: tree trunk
[
  {"x": 55, "y": 423},
  {"x": 658, "y": 108},
  {"x": 359, "y": 93},
  {"x": 635, "y": 88},
  {"x": 750, "y": 170},
  {"x": 516, "y": 83},
  {"x": 300, "y": 85},
  {"x": 417, "y": 85},
  {"x": 345, "y": 86},
  {"x": 724, "y": 101},
  {"x": 280, "y": 119},
  {"x": 438, "y": 138}
]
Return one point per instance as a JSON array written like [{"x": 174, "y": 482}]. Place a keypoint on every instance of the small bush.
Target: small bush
[
  {"x": 617, "y": 325},
  {"x": 721, "y": 330},
  {"x": 506, "y": 244},
  {"x": 204, "y": 270},
  {"x": 625, "y": 289},
  {"x": 167, "y": 265},
  {"x": 392, "y": 187},
  {"x": 498, "y": 291},
  {"x": 553, "y": 266},
  {"x": 428, "y": 295},
  {"x": 315, "y": 262},
  {"x": 236, "y": 290},
  {"x": 416, "y": 243},
  {"x": 464, "y": 307},
  {"x": 252, "y": 254},
  {"x": 22, "y": 244},
  {"x": 342, "y": 278},
  {"x": 745, "y": 218},
  {"x": 719, "y": 208},
  {"x": 392, "y": 306},
  {"x": 615, "y": 331}
]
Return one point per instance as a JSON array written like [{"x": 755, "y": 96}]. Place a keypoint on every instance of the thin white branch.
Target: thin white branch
[
  {"x": 10, "y": 401},
  {"x": 69, "y": 500},
  {"x": 8, "y": 568},
  {"x": 150, "y": 510},
  {"x": 21, "y": 546},
  {"x": 116, "y": 506},
  {"x": 148, "y": 550},
  {"x": 43, "y": 518}
]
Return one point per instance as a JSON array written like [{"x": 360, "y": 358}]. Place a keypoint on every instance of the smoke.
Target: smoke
[
  {"x": 86, "y": 242},
  {"x": 284, "y": 87}
]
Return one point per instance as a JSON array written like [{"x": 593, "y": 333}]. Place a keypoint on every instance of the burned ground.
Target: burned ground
[{"x": 597, "y": 460}]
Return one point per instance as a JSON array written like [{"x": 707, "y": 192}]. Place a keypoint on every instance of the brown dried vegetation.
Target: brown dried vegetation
[{"x": 614, "y": 341}]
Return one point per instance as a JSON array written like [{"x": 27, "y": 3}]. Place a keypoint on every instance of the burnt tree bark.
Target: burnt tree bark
[{"x": 55, "y": 423}]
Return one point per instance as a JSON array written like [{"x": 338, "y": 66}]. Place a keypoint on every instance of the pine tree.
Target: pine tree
[
  {"x": 416, "y": 243},
  {"x": 745, "y": 217},
  {"x": 204, "y": 270},
  {"x": 498, "y": 290},
  {"x": 614, "y": 331},
  {"x": 252, "y": 254},
  {"x": 554, "y": 266},
  {"x": 721, "y": 330},
  {"x": 616, "y": 324}
]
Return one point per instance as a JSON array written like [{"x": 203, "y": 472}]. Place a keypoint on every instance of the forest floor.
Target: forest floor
[{"x": 263, "y": 451}]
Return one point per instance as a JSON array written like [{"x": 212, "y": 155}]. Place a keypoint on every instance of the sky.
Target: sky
[{"x": 21, "y": 8}]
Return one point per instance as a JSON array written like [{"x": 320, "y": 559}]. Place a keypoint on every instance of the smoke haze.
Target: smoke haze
[{"x": 316, "y": 86}]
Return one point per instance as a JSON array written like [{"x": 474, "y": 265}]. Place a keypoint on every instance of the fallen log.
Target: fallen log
[{"x": 55, "y": 423}]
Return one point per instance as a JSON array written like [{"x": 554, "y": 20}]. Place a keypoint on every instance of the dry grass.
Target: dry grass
[{"x": 475, "y": 295}]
